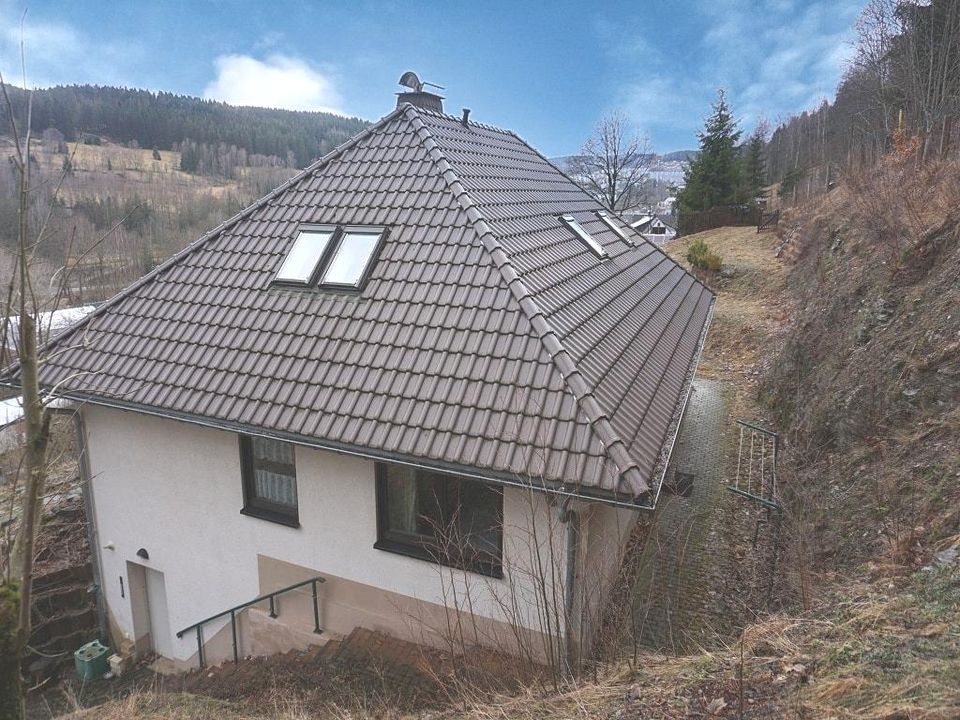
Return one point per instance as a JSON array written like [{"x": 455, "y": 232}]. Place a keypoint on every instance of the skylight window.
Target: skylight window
[
  {"x": 301, "y": 262},
  {"x": 335, "y": 257},
  {"x": 605, "y": 216},
  {"x": 585, "y": 237},
  {"x": 351, "y": 258}
]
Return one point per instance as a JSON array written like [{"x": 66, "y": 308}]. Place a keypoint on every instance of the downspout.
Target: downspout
[
  {"x": 571, "y": 519},
  {"x": 89, "y": 509}
]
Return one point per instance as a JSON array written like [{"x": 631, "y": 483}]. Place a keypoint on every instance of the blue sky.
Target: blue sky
[{"x": 549, "y": 71}]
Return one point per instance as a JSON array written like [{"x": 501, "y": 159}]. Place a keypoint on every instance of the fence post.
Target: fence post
[
  {"x": 233, "y": 632},
  {"x": 316, "y": 609},
  {"x": 200, "y": 645}
]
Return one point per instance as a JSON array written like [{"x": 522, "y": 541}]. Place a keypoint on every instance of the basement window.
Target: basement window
[
  {"x": 441, "y": 518},
  {"x": 335, "y": 257},
  {"x": 608, "y": 221},
  {"x": 585, "y": 237}
]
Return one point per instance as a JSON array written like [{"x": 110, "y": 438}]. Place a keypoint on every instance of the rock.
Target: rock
[
  {"x": 716, "y": 706},
  {"x": 728, "y": 271},
  {"x": 883, "y": 310},
  {"x": 947, "y": 557}
]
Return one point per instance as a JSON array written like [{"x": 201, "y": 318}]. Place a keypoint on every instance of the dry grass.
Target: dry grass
[
  {"x": 868, "y": 651},
  {"x": 751, "y": 311},
  {"x": 160, "y": 706}
]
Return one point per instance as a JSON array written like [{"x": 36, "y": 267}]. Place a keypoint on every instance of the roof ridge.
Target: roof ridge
[
  {"x": 215, "y": 232},
  {"x": 454, "y": 118},
  {"x": 617, "y": 450}
]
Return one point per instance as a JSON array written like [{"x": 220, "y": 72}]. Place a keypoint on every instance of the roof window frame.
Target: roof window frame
[
  {"x": 337, "y": 233},
  {"x": 607, "y": 219},
  {"x": 591, "y": 243}
]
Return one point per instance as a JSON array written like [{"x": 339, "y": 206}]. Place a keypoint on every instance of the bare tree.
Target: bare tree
[
  {"x": 614, "y": 163},
  {"x": 875, "y": 30},
  {"x": 36, "y": 416},
  {"x": 927, "y": 50}
]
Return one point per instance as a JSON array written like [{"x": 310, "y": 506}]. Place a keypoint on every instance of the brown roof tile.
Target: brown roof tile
[{"x": 488, "y": 338}]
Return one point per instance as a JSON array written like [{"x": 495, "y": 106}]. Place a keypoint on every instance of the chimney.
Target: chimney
[
  {"x": 465, "y": 120},
  {"x": 425, "y": 100},
  {"x": 417, "y": 96}
]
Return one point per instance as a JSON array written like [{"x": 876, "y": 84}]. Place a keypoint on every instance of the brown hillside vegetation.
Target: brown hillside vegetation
[
  {"x": 115, "y": 212},
  {"x": 868, "y": 381}
]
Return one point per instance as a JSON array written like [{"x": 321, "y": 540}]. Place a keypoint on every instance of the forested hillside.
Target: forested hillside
[
  {"x": 125, "y": 178},
  {"x": 165, "y": 120},
  {"x": 904, "y": 77}
]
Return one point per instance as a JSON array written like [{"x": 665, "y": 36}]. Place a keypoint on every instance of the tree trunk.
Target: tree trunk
[{"x": 36, "y": 419}]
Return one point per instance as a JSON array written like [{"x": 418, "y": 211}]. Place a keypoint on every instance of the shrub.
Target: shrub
[
  {"x": 702, "y": 257},
  {"x": 10, "y": 696}
]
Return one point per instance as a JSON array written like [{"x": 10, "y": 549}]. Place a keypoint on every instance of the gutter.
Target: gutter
[
  {"x": 550, "y": 487},
  {"x": 664, "y": 464}
]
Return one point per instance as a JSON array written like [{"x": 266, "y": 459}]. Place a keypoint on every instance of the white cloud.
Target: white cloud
[
  {"x": 279, "y": 81},
  {"x": 56, "y": 52},
  {"x": 775, "y": 57}
]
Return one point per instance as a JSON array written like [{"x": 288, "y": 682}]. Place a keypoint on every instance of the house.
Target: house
[
  {"x": 654, "y": 228},
  {"x": 667, "y": 206},
  {"x": 48, "y": 323},
  {"x": 429, "y": 370},
  {"x": 11, "y": 429}
]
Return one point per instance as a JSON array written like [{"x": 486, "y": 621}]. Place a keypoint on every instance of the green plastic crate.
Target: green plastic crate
[{"x": 91, "y": 661}]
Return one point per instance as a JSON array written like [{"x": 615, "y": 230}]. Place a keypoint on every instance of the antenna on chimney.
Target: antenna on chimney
[
  {"x": 409, "y": 79},
  {"x": 416, "y": 95}
]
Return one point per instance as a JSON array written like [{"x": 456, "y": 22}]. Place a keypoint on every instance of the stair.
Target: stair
[{"x": 64, "y": 617}]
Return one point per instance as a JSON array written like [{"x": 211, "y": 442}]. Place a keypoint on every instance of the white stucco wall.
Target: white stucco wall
[{"x": 174, "y": 489}]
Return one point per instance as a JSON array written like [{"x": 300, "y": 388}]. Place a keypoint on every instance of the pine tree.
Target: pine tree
[
  {"x": 755, "y": 162},
  {"x": 713, "y": 177}
]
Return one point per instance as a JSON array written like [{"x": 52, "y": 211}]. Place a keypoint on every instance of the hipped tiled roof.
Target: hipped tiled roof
[{"x": 487, "y": 340}]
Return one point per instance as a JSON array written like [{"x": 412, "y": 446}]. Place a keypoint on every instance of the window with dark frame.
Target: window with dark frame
[
  {"x": 334, "y": 257},
  {"x": 438, "y": 517},
  {"x": 269, "y": 473}
]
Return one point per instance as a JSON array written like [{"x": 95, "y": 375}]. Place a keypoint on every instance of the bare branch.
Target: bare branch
[{"x": 614, "y": 163}]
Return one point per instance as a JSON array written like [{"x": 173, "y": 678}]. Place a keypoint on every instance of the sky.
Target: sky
[{"x": 547, "y": 70}]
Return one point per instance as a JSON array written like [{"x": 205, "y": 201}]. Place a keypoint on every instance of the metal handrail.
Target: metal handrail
[{"x": 232, "y": 612}]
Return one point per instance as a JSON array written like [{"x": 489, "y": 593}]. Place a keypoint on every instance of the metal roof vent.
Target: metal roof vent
[{"x": 416, "y": 95}]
